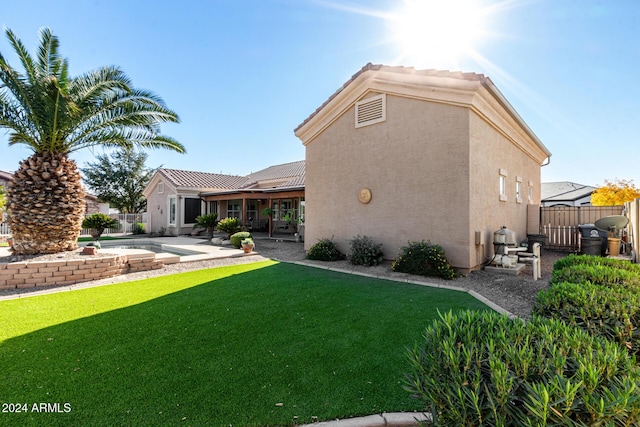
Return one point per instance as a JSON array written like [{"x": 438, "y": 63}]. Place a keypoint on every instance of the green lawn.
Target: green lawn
[{"x": 256, "y": 344}]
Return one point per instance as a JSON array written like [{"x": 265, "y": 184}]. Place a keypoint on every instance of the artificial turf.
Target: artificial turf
[{"x": 255, "y": 344}]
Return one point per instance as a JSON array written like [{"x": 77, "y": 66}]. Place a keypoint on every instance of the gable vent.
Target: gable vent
[{"x": 371, "y": 110}]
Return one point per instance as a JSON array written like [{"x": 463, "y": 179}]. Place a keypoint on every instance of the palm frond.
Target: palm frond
[
  {"x": 23, "y": 54},
  {"x": 49, "y": 60},
  {"x": 48, "y": 110}
]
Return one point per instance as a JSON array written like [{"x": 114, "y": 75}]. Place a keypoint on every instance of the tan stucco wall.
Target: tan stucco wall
[
  {"x": 492, "y": 151},
  {"x": 414, "y": 163},
  {"x": 433, "y": 170},
  {"x": 158, "y": 208}
]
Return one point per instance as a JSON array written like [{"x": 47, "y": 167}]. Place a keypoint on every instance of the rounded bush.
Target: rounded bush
[
  {"x": 484, "y": 369},
  {"x": 325, "y": 250},
  {"x": 365, "y": 252},
  {"x": 573, "y": 259},
  {"x": 237, "y": 238},
  {"x": 138, "y": 228},
  {"x": 425, "y": 259},
  {"x": 229, "y": 226},
  {"x": 609, "y": 312}
]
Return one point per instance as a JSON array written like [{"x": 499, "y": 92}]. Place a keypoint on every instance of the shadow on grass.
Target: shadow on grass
[{"x": 272, "y": 346}]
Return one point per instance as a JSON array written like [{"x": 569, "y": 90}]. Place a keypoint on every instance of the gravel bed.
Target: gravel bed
[{"x": 516, "y": 294}]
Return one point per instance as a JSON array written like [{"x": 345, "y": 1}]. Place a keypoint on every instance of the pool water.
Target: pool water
[{"x": 153, "y": 248}]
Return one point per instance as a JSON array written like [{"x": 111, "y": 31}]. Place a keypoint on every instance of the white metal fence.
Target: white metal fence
[{"x": 127, "y": 225}]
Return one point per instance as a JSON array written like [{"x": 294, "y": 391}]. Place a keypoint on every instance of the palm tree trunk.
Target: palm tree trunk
[{"x": 46, "y": 201}]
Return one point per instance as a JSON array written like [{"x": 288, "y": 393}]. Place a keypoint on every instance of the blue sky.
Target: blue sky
[{"x": 242, "y": 74}]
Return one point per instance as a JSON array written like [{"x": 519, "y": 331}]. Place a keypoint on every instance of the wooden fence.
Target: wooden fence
[{"x": 560, "y": 223}]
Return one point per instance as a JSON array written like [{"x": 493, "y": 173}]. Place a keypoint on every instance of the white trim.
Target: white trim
[{"x": 502, "y": 187}]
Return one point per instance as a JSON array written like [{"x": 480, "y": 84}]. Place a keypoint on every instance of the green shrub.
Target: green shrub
[
  {"x": 208, "y": 222},
  {"x": 97, "y": 223},
  {"x": 325, "y": 250},
  {"x": 484, "y": 369},
  {"x": 237, "y": 238},
  {"x": 597, "y": 274},
  {"x": 138, "y": 228},
  {"x": 610, "y": 312},
  {"x": 573, "y": 259},
  {"x": 365, "y": 252},
  {"x": 425, "y": 259},
  {"x": 229, "y": 226}
]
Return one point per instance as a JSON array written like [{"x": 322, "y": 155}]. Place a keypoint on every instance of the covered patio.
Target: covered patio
[{"x": 277, "y": 212}]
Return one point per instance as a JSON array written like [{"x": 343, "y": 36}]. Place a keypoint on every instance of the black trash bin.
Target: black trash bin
[{"x": 594, "y": 240}]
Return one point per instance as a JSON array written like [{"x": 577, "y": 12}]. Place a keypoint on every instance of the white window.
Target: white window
[
  {"x": 371, "y": 110},
  {"x": 518, "y": 189},
  {"x": 234, "y": 209},
  {"x": 503, "y": 185},
  {"x": 172, "y": 211},
  {"x": 161, "y": 188}
]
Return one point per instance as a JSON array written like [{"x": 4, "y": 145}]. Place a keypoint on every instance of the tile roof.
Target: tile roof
[
  {"x": 191, "y": 179},
  {"x": 294, "y": 170},
  {"x": 287, "y": 175},
  {"x": 564, "y": 190},
  {"x": 396, "y": 69},
  {"x": 6, "y": 176}
]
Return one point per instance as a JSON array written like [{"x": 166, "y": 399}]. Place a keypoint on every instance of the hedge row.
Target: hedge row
[
  {"x": 574, "y": 364},
  {"x": 421, "y": 258},
  {"x": 599, "y": 295}
]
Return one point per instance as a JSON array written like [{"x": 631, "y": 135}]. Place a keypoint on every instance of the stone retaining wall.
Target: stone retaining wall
[{"x": 61, "y": 272}]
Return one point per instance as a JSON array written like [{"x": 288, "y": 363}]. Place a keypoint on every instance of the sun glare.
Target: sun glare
[{"x": 437, "y": 33}]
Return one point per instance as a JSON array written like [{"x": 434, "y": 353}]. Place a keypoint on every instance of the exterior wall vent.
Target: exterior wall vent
[{"x": 371, "y": 110}]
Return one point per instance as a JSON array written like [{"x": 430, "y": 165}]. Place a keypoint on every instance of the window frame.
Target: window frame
[{"x": 502, "y": 188}]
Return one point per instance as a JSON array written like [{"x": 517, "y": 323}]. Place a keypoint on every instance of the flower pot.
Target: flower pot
[
  {"x": 10, "y": 241},
  {"x": 89, "y": 250},
  {"x": 247, "y": 247}
]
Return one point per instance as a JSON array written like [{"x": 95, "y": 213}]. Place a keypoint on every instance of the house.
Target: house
[
  {"x": 5, "y": 177},
  {"x": 566, "y": 193},
  {"x": 402, "y": 155},
  {"x": 176, "y": 197}
]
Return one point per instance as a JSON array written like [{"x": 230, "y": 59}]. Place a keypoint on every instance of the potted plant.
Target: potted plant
[{"x": 247, "y": 245}]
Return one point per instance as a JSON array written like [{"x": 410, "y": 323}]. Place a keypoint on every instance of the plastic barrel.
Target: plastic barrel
[{"x": 591, "y": 246}]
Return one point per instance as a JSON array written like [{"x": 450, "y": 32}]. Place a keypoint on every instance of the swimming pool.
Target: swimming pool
[{"x": 153, "y": 248}]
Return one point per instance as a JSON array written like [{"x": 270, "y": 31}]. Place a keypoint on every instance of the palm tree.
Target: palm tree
[{"x": 55, "y": 114}]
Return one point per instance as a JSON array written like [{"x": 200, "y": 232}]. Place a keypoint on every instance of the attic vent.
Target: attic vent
[{"x": 371, "y": 110}]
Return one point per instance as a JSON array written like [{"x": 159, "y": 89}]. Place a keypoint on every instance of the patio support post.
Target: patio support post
[
  {"x": 244, "y": 211},
  {"x": 270, "y": 219}
]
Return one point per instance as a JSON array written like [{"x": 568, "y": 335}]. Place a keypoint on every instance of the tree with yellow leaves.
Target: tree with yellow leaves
[{"x": 615, "y": 193}]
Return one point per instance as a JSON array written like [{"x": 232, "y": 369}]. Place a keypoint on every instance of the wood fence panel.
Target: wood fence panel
[{"x": 560, "y": 223}]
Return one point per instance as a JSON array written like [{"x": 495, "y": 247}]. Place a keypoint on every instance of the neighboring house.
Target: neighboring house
[
  {"x": 95, "y": 205},
  {"x": 5, "y": 177},
  {"x": 402, "y": 155},
  {"x": 566, "y": 193},
  {"x": 176, "y": 197}
]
